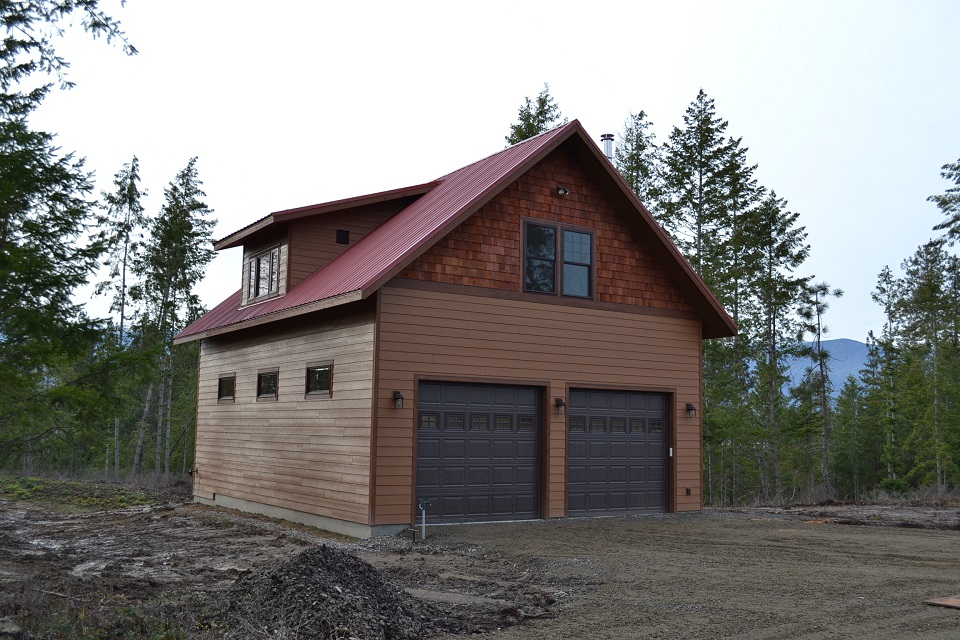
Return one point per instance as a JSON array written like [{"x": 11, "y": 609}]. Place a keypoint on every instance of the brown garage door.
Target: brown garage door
[
  {"x": 618, "y": 452},
  {"x": 478, "y": 451}
]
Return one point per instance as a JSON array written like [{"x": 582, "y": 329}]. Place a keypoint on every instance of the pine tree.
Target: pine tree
[
  {"x": 815, "y": 306},
  {"x": 637, "y": 158},
  {"x": 949, "y": 203},
  {"x": 535, "y": 116},
  {"x": 694, "y": 207},
  {"x": 46, "y": 340},
  {"x": 779, "y": 248},
  {"x": 124, "y": 224},
  {"x": 172, "y": 263}
]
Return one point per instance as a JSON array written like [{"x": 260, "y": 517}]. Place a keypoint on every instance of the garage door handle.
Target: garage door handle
[{"x": 671, "y": 452}]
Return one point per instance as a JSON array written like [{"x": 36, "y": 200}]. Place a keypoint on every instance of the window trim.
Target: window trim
[
  {"x": 559, "y": 260},
  {"x": 253, "y": 271},
  {"x": 223, "y": 399},
  {"x": 276, "y": 393},
  {"x": 323, "y": 364}
]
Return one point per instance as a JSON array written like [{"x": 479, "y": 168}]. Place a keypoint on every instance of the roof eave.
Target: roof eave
[
  {"x": 237, "y": 238},
  {"x": 318, "y": 305}
]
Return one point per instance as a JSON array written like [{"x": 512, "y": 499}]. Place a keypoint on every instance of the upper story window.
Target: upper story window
[
  {"x": 264, "y": 274},
  {"x": 547, "y": 247}
]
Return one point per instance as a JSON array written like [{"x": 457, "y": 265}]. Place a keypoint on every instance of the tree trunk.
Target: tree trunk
[
  {"x": 166, "y": 453},
  {"x": 159, "y": 449},
  {"x": 138, "y": 456},
  {"x": 116, "y": 447}
]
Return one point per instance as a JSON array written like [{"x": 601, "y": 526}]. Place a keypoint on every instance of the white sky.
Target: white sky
[{"x": 849, "y": 108}]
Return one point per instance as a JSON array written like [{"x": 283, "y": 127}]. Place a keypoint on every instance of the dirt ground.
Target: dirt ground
[{"x": 816, "y": 572}]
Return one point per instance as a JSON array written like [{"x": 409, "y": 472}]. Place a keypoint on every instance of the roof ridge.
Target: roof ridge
[{"x": 512, "y": 146}]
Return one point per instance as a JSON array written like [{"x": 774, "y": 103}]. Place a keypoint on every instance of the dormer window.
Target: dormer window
[{"x": 264, "y": 274}]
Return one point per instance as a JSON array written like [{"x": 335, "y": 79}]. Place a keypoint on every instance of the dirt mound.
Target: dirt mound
[{"x": 324, "y": 593}]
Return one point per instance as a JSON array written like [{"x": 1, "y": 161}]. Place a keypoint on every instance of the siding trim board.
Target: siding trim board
[{"x": 543, "y": 298}]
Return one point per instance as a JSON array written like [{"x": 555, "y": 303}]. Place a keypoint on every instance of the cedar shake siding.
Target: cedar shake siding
[
  {"x": 426, "y": 334},
  {"x": 310, "y": 455},
  {"x": 486, "y": 250}
]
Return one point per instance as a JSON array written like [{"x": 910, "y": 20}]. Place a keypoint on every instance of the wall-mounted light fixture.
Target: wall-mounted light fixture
[
  {"x": 562, "y": 190},
  {"x": 691, "y": 410},
  {"x": 398, "y": 400},
  {"x": 561, "y": 405}
]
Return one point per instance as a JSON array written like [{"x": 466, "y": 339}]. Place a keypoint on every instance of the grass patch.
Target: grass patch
[
  {"x": 77, "y": 614},
  {"x": 75, "y": 495}
]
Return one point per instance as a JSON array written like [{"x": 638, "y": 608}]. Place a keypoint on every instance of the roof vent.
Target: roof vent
[
  {"x": 343, "y": 236},
  {"x": 607, "y": 139}
]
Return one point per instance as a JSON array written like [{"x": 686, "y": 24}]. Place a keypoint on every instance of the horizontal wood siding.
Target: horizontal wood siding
[
  {"x": 485, "y": 250},
  {"x": 314, "y": 239},
  {"x": 438, "y": 334},
  {"x": 310, "y": 455}
]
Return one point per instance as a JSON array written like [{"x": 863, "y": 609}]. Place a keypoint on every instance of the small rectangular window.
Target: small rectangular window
[
  {"x": 479, "y": 422},
  {"x": 319, "y": 380},
  {"x": 267, "y": 384},
  {"x": 429, "y": 421},
  {"x": 226, "y": 388}
]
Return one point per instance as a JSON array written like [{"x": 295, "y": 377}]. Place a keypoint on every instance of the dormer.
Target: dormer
[{"x": 286, "y": 247}]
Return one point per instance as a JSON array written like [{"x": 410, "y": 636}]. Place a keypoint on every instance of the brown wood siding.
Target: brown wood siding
[
  {"x": 310, "y": 455},
  {"x": 485, "y": 250},
  {"x": 434, "y": 334},
  {"x": 314, "y": 241}
]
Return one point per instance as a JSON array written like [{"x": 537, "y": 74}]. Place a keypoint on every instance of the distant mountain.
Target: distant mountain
[{"x": 847, "y": 358}]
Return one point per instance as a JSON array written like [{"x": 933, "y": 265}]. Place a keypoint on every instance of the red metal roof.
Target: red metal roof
[{"x": 365, "y": 266}]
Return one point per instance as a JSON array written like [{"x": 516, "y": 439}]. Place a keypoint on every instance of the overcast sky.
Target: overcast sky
[{"x": 849, "y": 108}]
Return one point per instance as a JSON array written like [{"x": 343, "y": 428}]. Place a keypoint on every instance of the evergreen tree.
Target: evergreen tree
[
  {"x": 48, "y": 345},
  {"x": 694, "y": 207},
  {"x": 815, "y": 306},
  {"x": 949, "y": 203},
  {"x": 637, "y": 158},
  {"x": 925, "y": 305},
  {"x": 123, "y": 225},
  {"x": 779, "y": 248},
  {"x": 172, "y": 263},
  {"x": 535, "y": 116}
]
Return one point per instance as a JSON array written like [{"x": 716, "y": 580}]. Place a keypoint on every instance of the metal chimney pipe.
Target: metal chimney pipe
[{"x": 607, "y": 139}]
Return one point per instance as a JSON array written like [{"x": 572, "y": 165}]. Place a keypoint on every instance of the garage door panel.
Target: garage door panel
[
  {"x": 478, "y": 450},
  {"x": 478, "y": 475},
  {"x": 617, "y": 474},
  {"x": 430, "y": 451},
  {"x": 617, "y": 446},
  {"x": 526, "y": 450},
  {"x": 453, "y": 477},
  {"x": 637, "y": 474},
  {"x": 453, "y": 448},
  {"x": 428, "y": 476},
  {"x": 450, "y": 504}
]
